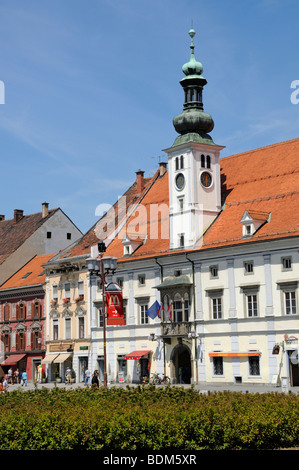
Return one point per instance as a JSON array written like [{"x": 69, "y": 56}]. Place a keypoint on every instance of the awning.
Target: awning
[
  {"x": 49, "y": 358},
  {"x": 13, "y": 359},
  {"x": 234, "y": 353},
  {"x": 62, "y": 357},
  {"x": 135, "y": 355}
]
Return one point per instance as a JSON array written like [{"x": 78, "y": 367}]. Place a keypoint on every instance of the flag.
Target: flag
[
  {"x": 153, "y": 311},
  {"x": 168, "y": 316}
]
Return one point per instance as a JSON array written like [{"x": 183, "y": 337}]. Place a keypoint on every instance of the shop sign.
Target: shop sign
[{"x": 115, "y": 311}]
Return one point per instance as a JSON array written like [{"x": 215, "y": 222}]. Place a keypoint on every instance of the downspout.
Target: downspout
[{"x": 194, "y": 312}]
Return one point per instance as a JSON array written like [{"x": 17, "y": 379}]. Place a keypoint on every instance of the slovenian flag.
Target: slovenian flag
[{"x": 154, "y": 310}]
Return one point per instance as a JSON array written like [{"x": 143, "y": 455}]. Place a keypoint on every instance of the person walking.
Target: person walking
[
  {"x": 95, "y": 378},
  {"x": 24, "y": 378},
  {"x": 9, "y": 376},
  {"x": 87, "y": 377},
  {"x": 68, "y": 375}
]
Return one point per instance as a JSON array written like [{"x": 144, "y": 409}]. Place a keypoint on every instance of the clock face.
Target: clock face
[
  {"x": 180, "y": 181},
  {"x": 206, "y": 179}
]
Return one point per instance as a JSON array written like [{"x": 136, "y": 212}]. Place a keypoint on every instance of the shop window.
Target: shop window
[
  {"x": 218, "y": 365},
  {"x": 254, "y": 365}
]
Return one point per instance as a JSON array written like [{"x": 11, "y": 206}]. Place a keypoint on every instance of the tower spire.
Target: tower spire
[{"x": 193, "y": 124}]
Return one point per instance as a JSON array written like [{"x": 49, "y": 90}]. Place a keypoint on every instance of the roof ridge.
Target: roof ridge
[
  {"x": 260, "y": 148},
  {"x": 265, "y": 198}
]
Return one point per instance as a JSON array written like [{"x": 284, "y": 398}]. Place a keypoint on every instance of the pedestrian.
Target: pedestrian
[
  {"x": 17, "y": 376},
  {"x": 87, "y": 377},
  {"x": 5, "y": 383},
  {"x": 95, "y": 378},
  {"x": 68, "y": 375},
  {"x": 24, "y": 378},
  {"x": 9, "y": 376}
]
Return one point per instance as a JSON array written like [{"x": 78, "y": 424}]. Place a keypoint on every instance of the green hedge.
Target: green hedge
[{"x": 146, "y": 418}]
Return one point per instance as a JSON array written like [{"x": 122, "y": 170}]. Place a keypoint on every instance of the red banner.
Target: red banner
[{"x": 115, "y": 311}]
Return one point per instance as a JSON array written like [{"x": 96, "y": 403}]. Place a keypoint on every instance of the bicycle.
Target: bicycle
[{"x": 159, "y": 379}]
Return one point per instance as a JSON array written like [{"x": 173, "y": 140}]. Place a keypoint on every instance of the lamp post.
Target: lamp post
[{"x": 102, "y": 267}]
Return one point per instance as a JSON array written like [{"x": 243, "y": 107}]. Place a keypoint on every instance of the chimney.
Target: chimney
[
  {"x": 163, "y": 168},
  {"x": 18, "y": 215},
  {"x": 45, "y": 209},
  {"x": 2, "y": 217},
  {"x": 140, "y": 181}
]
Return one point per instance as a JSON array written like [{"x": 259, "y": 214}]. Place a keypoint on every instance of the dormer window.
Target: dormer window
[
  {"x": 252, "y": 221},
  {"x": 131, "y": 244}
]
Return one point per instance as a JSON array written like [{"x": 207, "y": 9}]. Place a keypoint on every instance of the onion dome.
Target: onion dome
[{"x": 193, "y": 124}]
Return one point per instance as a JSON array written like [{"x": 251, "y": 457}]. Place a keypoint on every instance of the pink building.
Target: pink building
[{"x": 22, "y": 319}]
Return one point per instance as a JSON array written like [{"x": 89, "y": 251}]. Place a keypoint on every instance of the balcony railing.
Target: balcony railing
[{"x": 176, "y": 329}]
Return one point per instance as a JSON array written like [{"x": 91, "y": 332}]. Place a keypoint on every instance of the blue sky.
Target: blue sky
[{"x": 92, "y": 86}]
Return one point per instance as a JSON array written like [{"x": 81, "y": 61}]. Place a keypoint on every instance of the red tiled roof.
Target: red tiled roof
[
  {"x": 265, "y": 182},
  {"x": 13, "y": 235},
  {"x": 32, "y": 273},
  {"x": 83, "y": 245}
]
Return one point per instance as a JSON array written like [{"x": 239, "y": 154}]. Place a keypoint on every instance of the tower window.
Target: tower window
[
  {"x": 205, "y": 161},
  {"x": 182, "y": 240},
  {"x": 179, "y": 162}
]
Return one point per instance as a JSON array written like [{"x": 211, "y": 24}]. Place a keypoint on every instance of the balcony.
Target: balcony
[{"x": 175, "y": 329}]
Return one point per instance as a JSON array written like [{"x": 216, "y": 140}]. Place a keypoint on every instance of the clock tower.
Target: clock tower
[{"x": 193, "y": 164}]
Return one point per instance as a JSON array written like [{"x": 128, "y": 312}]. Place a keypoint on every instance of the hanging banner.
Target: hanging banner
[{"x": 115, "y": 310}]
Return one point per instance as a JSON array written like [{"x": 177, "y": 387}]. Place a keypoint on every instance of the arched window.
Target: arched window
[
  {"x": 208, "y": 160},
  {"x": 177, "y": 163},
  {"x": 182, "y": 161},
  {"x": 203, "y": 161}
]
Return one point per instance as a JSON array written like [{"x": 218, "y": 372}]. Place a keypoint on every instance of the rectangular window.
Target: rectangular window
[
  {"x": 254, "y": 365},
  {"x": 248, "y": 266},
  {"x": 217, "y": 308},
  {"x": 81, "y": 328},
  {"x": 141, "y": 280},
  {"x": 120, "y": 281},
  {"x": 143, "y": 316},
  {"x": 81, "y": 289},
  {"x": 67, "y": 290},
  {"x": 55, "y": 330},
  {"x": 55, "y": 292},
  {"x": 100, "y": 317},
  {"x": 290, "y": 302},
  {"x": 218, "y": 365},
  {"x": 286, "y": 264},
  {"x": 214, "y": 272},
  {"x": 251, "y": 305},
  {"x": 68, "y": 328}
]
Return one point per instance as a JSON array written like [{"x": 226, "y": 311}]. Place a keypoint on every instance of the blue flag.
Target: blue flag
[{"x": 153, "y": 311}]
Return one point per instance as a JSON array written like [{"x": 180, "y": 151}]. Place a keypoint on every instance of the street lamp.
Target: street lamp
[{"x": 102, "y": 267}]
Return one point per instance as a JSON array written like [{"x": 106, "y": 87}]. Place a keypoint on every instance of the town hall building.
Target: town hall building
[{"x": 213, "y": 240}]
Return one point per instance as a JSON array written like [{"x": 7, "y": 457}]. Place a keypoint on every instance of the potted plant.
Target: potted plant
[
  {"x": 66, "y": 301},
  {"x": 73, "y": 376},
  {"x": 53, "y": 303}
]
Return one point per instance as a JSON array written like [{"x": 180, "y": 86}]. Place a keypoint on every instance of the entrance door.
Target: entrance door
[
  {"x": 294, "y": 368},
  {"x": 181, "y": 358}
]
